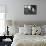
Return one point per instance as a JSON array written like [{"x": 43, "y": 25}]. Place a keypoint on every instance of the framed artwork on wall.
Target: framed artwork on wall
[{"x": 30, "y": 9}]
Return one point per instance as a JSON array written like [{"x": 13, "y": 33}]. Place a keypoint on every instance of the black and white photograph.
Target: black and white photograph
[{"x": 30, "y": 9}]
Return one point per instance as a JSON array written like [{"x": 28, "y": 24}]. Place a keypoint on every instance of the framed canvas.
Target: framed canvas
[{"x": 30, "y": 9}]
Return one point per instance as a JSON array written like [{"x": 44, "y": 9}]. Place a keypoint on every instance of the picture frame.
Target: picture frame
[{"x": 30, "y": 9}]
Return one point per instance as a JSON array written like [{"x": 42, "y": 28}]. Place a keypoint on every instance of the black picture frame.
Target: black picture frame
[{"x": 30, "y": 9}]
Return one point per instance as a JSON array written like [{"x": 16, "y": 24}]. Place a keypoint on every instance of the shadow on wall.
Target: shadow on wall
[{"x": 21, "y": 23}]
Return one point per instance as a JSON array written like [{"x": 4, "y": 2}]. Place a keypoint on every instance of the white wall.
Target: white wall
[{"x": 15, "y": 9}]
